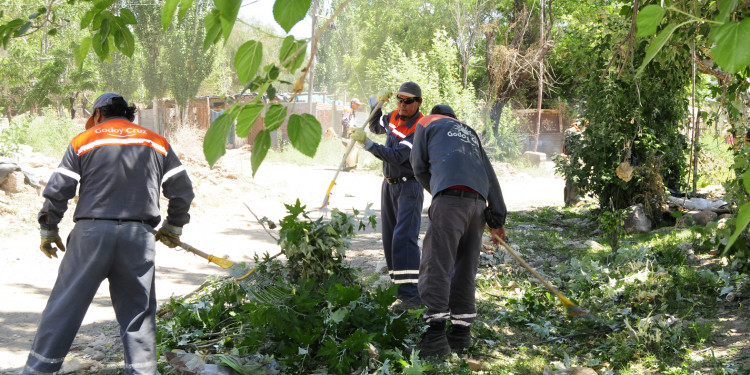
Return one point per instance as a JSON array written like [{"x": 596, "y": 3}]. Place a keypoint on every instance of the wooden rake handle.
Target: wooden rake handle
[{"x": 221, "y": 262}]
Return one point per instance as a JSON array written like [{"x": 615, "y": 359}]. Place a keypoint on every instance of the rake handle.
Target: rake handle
[
  {"x": 532, "y": 270},
  {"x": 223, "y": 263},
  {"x": 346, "y": 153}
]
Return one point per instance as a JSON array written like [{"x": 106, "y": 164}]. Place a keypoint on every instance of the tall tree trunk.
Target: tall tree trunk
[
  {"x": 496, "y": 112},
  {"x": 157, "y": 118},
  {"x": 541, "y": 78}
]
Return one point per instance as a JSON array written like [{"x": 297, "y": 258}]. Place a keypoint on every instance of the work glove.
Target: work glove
[
  {"x": 169, "y": 235},
  {"x": 358, "y": 134},
  {"x": 384, "y": 96},
  {"x": 49, "y": 238}
]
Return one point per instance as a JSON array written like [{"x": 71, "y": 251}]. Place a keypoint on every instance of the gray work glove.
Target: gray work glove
[
  {"x": 50, "y": 238},
  {"x": 169, "y": 235}
]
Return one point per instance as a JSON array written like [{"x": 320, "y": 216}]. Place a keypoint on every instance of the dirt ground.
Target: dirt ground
[{"x": 222, "y": 224}]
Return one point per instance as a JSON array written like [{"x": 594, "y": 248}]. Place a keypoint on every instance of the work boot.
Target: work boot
[
  {"x": 459, "y": 337},
  {"x": 401, "y": 306},
  {"x": 434, "y": 343}
]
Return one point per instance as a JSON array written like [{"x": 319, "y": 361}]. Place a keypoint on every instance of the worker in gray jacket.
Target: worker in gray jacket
[
  {"x": 119, "y": 169},
  {"x": 449, "y": 162}
]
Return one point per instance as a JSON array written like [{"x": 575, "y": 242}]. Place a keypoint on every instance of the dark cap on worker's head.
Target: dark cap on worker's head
[
  {"x": 102, "y": 101},
  {"x": 410, "y": 90},
  {"x": 443, "y": 109}
]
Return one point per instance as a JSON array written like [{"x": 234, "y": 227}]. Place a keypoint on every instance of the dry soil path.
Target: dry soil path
[{"x": 221, "y": 224}]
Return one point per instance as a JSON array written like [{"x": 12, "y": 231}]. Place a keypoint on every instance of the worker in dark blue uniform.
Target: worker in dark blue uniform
[
  {"x": 401, "y": 195},
  {"x": 118, "y": 169}
]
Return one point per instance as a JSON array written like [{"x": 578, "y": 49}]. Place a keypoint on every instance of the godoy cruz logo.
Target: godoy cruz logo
[{"x": 121, "y": 132}]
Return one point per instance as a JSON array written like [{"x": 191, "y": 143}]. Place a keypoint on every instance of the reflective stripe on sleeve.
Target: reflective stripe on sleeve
[
  {"x": 407, "y": 143},
  {"x": 69, "y": 173},
  {"x": 171, "y": 173}
]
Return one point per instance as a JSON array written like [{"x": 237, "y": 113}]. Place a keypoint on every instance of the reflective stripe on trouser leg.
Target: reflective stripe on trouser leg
[
  {"x": 401, "y": 208},
  {"x": 83, "y": 267},
  {"x": 454, "y": 225},
  {"x": 134, "y": 297}
]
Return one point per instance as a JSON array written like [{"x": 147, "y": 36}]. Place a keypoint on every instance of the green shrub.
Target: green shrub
[{"x": 48, "y": 134}]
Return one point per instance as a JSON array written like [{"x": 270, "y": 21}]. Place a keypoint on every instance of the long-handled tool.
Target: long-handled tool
[
  {"x": 571, "y": 307},
  {"x": 253, "y": 286},
  {"x": 381, "y": 101}
]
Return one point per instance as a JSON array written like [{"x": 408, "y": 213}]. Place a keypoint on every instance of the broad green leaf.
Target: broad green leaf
[
  {"x": 273, "y": 72},
  {"x": 271, "y": 92},
  {"x": 213, "y": 29},
  {"x": 726, "y": 8},
  {"x": 104, "y": 30},
  {"x": 96, "y": 24},
  {"x": 288, "y": 47},
  {"x": 247, "y": 118},
  {"x": 288, "y": 12},
  {"x": 339, "y": 315},
  {"x": 648, "y": 20},
  {"x": 743, "y": 218},
  {"x": 304, "y": 133},
  {"x": 247, "y": 60},
  {"x": 23, "y": 29},
  {"x": 229, "y": 10},
  {"x": 275, "y": 116},
  {"x": 52, "y": 31},
  {"x": 88, "y": 17},
  {"x": 124, "y": 39},
  {"x": 184, "y": 7},
  {"x": 261, "y": 144},
  {"x": 127, "y": 16},
  {"x": 215, "y": 141},
  {"x": 656, "y": 45},
  {"x": 81, "y": 51},
  {"x": 732, "y": 49},
  {"x": 100, "y": 44},
  {"x": 746, "y": 180},
  {"x": 167, "y": 13}
]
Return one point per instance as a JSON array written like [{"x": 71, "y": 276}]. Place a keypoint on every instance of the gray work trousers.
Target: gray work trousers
[
  {"x": 123, "y": 253},
  {"x": 450, "y": 257}
]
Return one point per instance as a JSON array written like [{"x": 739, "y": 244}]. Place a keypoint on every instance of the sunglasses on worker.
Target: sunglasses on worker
[{"x": 406, "y": 100}]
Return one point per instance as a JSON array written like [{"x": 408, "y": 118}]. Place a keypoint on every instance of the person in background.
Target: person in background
[
  {"x": 450, "y": 163},
  {"x": 349, "y": 117},
  {"x": 401, "y": 195},
  {"x": 119, "y": 169}
]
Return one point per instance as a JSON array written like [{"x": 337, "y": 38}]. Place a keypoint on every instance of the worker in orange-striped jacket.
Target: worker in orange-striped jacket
[
  {"x": 119, "y": 169},
  {"x": 401, "y": 195}
]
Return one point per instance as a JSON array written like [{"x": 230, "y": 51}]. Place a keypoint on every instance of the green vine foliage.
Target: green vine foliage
[
  {"x": 634, "y": 121},
  {"x": 326, "y": 324}
]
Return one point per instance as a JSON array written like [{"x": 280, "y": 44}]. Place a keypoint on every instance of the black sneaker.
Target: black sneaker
[
  {"x": 459, "y": 337},
  {"x": 433, "y": 344},
  {"x": 401, "y": 306}
]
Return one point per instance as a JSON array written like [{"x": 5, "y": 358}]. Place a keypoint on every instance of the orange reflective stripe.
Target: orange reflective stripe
[
  {"x": 427, "y": 120},
  {"x": 398, "y": 127},
  {"x": 118, "y": 132}
]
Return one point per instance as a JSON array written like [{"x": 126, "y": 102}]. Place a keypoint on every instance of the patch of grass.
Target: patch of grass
[{"x": 48, "y": 134}]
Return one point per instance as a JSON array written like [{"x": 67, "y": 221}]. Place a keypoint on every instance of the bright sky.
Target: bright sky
[{"x": 262, "y": 11}]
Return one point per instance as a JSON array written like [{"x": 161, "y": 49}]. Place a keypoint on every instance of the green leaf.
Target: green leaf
[
  {"x": 167, "y": 13},
  {"x": 247, "y": 60},
  {"x": 261, "y": 144},
  {"x": 732, "y": 49},
  {"x": 726, "y": 8},
  {"x": 23, "y": 29},
  {"x": 247, "y": 118},
  {"x": 271, "y": 92},
  {"x": 288, "y": 47},
  {"x": 656, "y": 45},
  {"x": 184, "y": 7},
  {"x": 124, "y": 39},
  {"x": 743, "y": 218},
  {"x": 88, "y": 17},
  {"x": 304, "y": 133},
  {"x": 339, "y": 315},
  {"x": 275, "y": 116},
  {"x": 746, "y": 180},
  {"x": 229, "y": 10},
  {"x": 81, "y": 51},
  {"x": 52, "y": 31},
  {"x": 288, "y": 12},
  {"x": 648, "y": 20},
  {"x": 213, "y": 29},
  {"x": 104, "y": 30},
  {"x": 127, "y": 16},
  {"x": 214, "y": 143},
  {"x": 273, "y": 72}
]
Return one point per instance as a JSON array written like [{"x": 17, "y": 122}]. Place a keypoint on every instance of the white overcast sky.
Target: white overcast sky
[{"x": 262, "y": 11}]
